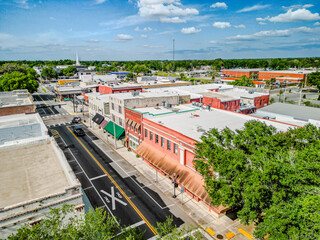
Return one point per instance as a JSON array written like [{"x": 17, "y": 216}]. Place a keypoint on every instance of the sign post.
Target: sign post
[{"x": 182, "y": 191}]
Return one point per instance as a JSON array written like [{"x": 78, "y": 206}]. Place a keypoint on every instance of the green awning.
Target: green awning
[{"x": 119, "y": 130}]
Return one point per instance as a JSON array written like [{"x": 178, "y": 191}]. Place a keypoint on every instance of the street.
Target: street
[{"x": 112, "y": 183}]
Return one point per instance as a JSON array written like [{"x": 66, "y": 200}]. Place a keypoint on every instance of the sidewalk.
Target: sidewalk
[{"x": 214, "y": 225}]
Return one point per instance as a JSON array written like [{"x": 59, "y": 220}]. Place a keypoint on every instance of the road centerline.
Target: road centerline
[{"x": 115, "y": 184}]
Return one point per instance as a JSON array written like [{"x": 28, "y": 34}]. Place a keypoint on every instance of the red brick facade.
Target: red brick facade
[
  {"x": 233, "y": 73},
  {"x": 4, "y": 111},
  {"x": 117, "y": 89},
  {"x": 232, "y": 105}
]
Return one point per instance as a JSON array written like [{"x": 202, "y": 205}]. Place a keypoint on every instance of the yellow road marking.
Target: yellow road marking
[
  {"x": 210, "y": 231},
  {"x": 245, "y": 233},
  {"x": 230, "y": 235},
  {"x": 46, "y": 103},
  {"x": 117, "y": 186}
]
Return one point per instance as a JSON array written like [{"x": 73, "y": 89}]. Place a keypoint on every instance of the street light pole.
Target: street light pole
[
  {"x": 174, "y": 186},
  {"x": 114, "y": 135}
]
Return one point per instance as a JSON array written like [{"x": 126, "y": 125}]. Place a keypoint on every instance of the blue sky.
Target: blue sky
[{"x": 144, "y": 29}]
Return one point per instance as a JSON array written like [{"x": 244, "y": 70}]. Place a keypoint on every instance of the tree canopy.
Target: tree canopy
[
  {"x": 19, "y": 80},
  {"x": 243, "y": 81},
  {"x": 69, "y": 71},
  {"x": 49, "y": 73},
  {"x": 314, "y": 79},
  {"x": 271, "y": 177}
]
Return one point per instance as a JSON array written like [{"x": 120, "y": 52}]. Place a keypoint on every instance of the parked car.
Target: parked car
[
  {"x": 76, "y": 120},
  {"x": 78, "y": 131}
]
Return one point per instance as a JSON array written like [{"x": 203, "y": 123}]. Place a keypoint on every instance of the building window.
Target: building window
[
  {"x": 139, "y": 130},
  {"x": 168, "y": 145},
  {"x": 113, "y": 118},
  {"x": 157, "y": 138},
  {"x": 120, "y": 121},
  {"x": 146, "y": 133},
  {"x": 112, "y": 106},
  {"x": 151, "y": 136},
  {"x": 120, "y": 109},
  {"x": 162, "y": 142},
  {"x": 175, "y": 148}
]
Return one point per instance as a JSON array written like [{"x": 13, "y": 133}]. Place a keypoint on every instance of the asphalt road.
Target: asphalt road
[
  {"x": 109, "y": 186},
  {"x": 44, "y": 105}
]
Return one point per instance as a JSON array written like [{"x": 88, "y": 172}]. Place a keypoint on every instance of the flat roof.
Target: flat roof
[
  {"x": 150, "y": 112},
  {"x": 126, "y": 96},
  {"x": 293, "y": 110},
  {"x": 32, "y": 171},
  {"x": 289, "y": 71},
  {"x": 242, "y": 93},
  {"x": 198, "y": 121},
  {"x": 19, "y": 128},
  {"x": 15, "y": 98},
  {"x": 244, "y": 69},
  {"x": 221, "y": 96}
]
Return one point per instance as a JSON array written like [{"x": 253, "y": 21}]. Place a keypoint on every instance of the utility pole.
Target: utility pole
[
  {"x": 73, "y": 104},
  {"x": 284, "y": 99},
  {"x": 114, "y": 135},
  {"x": 173, "y": 55},
  {"x": 300, "y": 97}
]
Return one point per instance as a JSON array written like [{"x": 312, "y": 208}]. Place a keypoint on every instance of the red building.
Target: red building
[
  {"x": 118, "y": 88},
  {"x": 236, "y": 73},
  {"x": 221, "y": 101},
  {"x": 291, "y": 76}
]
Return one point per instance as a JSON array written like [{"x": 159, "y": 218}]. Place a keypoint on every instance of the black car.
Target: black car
[
  {"x": 78, "y": 131},
  {"x": 76, "y": 120}
]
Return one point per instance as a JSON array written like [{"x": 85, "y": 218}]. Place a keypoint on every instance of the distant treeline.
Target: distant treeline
[{"x": 183, "y": 65}]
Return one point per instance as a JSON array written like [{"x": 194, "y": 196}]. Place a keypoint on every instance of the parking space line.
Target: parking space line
[
  {"x": 87, "y": 188},
  {"x": 142, "y": 188},
  {"x": 94, "y": 178},
  {"x": 137, "y": 224}
]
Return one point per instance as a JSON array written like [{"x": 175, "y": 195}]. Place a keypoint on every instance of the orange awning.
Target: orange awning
[{"x": 186, "y": 177}]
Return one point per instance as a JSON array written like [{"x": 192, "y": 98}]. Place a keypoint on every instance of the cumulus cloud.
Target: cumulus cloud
[
  {"x": 219, "y": 5},
  {"x": 190, "y": 30},
  {"x": 123, "y": 38},
  {"x": 144, "y": 36},
  {"x": 221, "y": 24},
  {"x": 172, "y": 20},
  {"x": 316, "y": 24},
  {"x": 239, "y": 26},
  {"x": 212, "y": 42},
  {"x": 293, "y": 16},
  {"x": 271, "y": 33},
  {"x": 163, "y": 8},
  {"x": 253, "y": 8},
  {"x": 52, "y": 18},
  {"x": 297, "y": 6}
]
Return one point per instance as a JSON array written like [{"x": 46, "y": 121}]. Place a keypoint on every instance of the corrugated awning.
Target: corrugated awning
[
  {"x": 134, "y": 124},
  {"x": 98, "y": 118},
  {"x": 120, "y": 134},
  {"x": 138, "y": 125},
  {"x": 103, "y": 123},
  {"x": 186, "y": 177},
  {"x": 129, "y": 122}
]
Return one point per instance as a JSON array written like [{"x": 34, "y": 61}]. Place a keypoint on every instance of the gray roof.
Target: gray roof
[{"x": 296, "y": 111}]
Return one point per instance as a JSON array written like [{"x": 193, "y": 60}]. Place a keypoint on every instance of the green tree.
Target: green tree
[
  {"x": 18, "y": 80},
  {"x": 259, "y": 170},
  {"x": 58, "y": 225},
  {"x": 314, "y": 79},
  {"x": 49, "y": 73},
  {"x": 69, "y": 71},
  {"x": 243, "y": 81},
  {"x": 11, "y": 67}
]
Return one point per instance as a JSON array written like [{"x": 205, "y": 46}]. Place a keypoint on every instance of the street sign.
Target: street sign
[
  {"x": 113, "y": 198},
  {"x": 182, "y": 189}
]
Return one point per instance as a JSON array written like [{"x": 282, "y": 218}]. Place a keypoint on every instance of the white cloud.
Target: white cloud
[
  {"x": 93, "y": 41},
  {"x": 151, "y": 46},
  {"x": 239, "y": 26},
  {"x": 316, "y": 24},
  {"x": 293, "y": 16},
  {"x": 271, "y": 33},
  {"x": 145, "y": 29},
  {"x": 253, "y": 8},
  {"x": 163, "y": 8},
  {"x": 221, "y": 24},
  {"x": 296, "y": 6},
  {"x": 123, "y": 37},
  {"x": 172, "y": 20},
  {"x": 262, "y": 23},
  {"x": 219, "y": 5},
  {"x": 144, "y": 36},
  {"x": 190, "y": 30},
  {"x": 212, "y": 42},
  {"x": 99, "y": 1},
  {"x": 52, "y": 18}
]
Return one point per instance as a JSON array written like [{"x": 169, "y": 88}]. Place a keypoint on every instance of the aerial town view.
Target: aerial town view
[{"x": 159, "y": 119}]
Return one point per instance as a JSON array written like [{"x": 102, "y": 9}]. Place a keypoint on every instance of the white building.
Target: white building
[{"x": 34, "y": 174}]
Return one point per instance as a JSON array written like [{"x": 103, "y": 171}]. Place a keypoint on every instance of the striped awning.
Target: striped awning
[{"x": 104, "y": 123}]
